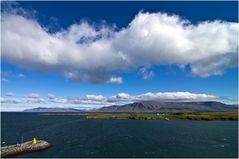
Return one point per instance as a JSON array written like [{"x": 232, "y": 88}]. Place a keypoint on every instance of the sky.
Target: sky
[{"x": 86, "y": 55}]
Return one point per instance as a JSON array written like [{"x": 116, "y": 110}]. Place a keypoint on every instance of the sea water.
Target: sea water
[{"x": 75, "y": 136}]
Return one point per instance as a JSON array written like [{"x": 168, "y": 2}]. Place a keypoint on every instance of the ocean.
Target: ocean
[{"x": 76, "y": 137}]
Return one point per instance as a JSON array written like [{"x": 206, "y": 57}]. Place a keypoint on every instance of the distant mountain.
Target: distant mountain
[
  {"x": 152, "y": 106},
  {"x": 41, "y": 109}
]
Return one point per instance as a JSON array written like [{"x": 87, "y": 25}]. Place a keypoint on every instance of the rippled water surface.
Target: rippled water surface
[{"x": 75, "y": 136}]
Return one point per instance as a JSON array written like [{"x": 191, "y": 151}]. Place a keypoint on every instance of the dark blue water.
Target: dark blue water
[{"x": 75, "y": 136}]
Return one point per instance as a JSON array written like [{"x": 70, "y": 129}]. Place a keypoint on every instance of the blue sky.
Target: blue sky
[{"x": 34, "y": 76}]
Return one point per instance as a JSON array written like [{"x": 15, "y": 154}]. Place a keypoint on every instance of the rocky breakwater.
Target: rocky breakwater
[{"x": 25, "y": 147}]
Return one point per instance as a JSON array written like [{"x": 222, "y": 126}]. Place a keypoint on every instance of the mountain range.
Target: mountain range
[
  {"x": 152, "y": 106},
  {"x": 53, "y": 109}
]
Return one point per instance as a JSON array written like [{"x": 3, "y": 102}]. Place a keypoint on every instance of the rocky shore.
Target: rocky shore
[{"x": 25, "y": 147}]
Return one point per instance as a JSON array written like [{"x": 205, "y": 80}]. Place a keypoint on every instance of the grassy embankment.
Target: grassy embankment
[{"x": 187, "y": 116}]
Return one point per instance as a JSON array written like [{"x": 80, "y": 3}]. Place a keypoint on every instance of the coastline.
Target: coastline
[
  {"x": 26, "y": 147},
  {"x": 167, "y": 116}
]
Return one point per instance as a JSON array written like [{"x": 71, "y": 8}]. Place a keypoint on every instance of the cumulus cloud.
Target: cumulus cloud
[
  {"x": 115, "y": 80},
  {"x": 95, "y": 97},
  {"x": 165, "y": 97},
  {"x": 53, "y": 99},
  {"x": 176, "y": 96},
  {"x": 121, "y": 98},
  {"x": 89, "y": 100},
  {"x": 85, "y": 53}
]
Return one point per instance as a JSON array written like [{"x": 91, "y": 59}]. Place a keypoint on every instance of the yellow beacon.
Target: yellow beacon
[{"x": 34, "y": 140}]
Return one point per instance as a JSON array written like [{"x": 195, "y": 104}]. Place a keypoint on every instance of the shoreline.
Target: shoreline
[
  {"x": 209, "y": 116},
  {"x": 26, "y": 147}
]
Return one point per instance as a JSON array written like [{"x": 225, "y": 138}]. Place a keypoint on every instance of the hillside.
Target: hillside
[
  {"x": 41, "y": 109},
  {"x": 152, "y": 106}
]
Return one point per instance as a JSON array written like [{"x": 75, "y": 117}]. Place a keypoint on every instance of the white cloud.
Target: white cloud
[
  {"x": 33, "y": 95},
  {"x": 176, "y": 96},
  {"x": 95, "y": 97},
  {"x": 120, "y": 98},
  {"x": 53, "y": 99},
  {"x": 4, "y": 80},
  {"x": 51, "y": 96},
  {"x": 117, "y": 80},
  {"x": 146, "y": 73},
  {"x": 123, "y": 96},
  {"x": 58, "y": 100},
  {"x": 94, "y": 101},
  {"x": 30, "y": 98},
  {"x": 9, "y": 94},
  {"x": 95, "y": 55},
  {"x": 164, "y": 96},
  {"x": 10, "y": 100},
  {"x": 23, "y": 100}
]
